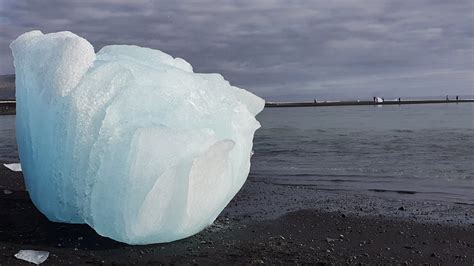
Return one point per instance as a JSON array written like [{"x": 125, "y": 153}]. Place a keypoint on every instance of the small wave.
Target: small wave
[
  {"x": 403, "y": 130},
  {"x": 463, "y": 203},
  {"x": 393, "y": 191},
  {"x": 279, "y": 129},
  {"x": 291, "y": 151},
  {"x": 310, "y": 186},
  {"x": 318, "y": 175}
]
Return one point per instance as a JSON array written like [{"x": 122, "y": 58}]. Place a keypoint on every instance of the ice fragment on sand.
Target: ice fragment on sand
[
  {"x": 15, "y": 167},
  {"x": 129, "y": 140},
  {"x": 33, "y": 256}
]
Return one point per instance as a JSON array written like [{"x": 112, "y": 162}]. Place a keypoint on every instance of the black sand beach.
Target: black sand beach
[{"x": 264, "y": 224}]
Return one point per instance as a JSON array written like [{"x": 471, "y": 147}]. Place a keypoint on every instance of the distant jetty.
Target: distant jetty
[
  {"x": 354, "y": 103},
  {"x": 8, "y": 107}
]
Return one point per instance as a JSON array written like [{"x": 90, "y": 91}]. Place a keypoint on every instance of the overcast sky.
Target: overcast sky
[{"x": 280, "y": 50}]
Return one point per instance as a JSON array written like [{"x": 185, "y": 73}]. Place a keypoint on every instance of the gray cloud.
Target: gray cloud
[{"x": 280, "y": 50}]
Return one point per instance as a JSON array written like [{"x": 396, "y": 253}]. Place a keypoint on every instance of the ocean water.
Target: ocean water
[
  {"x": 424, "y": 152},
  {"x": 8, "y": 150}
]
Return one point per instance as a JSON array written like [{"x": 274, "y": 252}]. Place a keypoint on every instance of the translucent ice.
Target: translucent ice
[
  {"x": 15, "y": 167},
  {"x": 129, "y": 140},
  {"x": 34, "y": 256}
]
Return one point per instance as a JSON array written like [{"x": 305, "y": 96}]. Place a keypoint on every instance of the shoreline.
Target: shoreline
[{"x": 264, "y": 223}]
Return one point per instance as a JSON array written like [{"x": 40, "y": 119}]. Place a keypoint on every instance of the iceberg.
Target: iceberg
[{"x": 129, "y": 140}]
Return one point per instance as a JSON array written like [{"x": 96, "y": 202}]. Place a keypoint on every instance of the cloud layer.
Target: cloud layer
[{"x": 280, "y": 50}]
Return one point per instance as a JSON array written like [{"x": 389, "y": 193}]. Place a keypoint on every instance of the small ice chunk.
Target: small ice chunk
[
  {"x": 33, "y": 256},
  {"x": 15, "y": 167},
  {"x": 129, "y": 140}
]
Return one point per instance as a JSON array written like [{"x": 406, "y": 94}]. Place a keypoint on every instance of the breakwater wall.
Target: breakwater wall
[
  {"x": 354, "y": 103},
  {"x": 8, "y": 107}
]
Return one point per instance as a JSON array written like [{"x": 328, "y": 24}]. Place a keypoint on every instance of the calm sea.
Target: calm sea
[
  {"x": 424, "y": 152},
  {"x": 418, "y": 151}
]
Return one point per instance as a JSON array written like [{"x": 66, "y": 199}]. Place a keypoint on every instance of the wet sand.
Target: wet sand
[{"x": 265, "y": 223}]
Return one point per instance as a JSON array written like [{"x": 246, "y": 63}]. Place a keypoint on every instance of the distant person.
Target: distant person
[
  {"x": 457, "y": 98},
  {"x": 315, "y": 101},
  {"x": 375, "y": 99},
  {"x": 399, "y": 100},
  {"x": 447, "y": 98}
]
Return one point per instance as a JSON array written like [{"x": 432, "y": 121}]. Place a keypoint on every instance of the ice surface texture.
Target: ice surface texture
[{"x": 129, "y": 140}]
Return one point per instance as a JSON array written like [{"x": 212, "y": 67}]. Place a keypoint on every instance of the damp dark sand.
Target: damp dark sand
[{"x": 265, "y": 223}]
